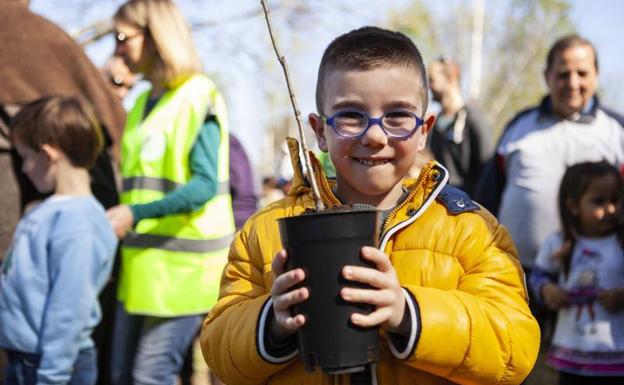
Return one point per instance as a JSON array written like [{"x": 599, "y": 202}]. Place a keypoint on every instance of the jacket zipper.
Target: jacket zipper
[{"x": 424, "y": 176}]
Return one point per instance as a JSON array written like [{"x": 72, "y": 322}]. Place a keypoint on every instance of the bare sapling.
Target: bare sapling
[{"x": 293, "y": 100}]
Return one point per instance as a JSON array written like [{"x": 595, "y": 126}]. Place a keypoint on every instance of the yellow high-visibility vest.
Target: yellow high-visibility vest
[{"x": 171, "y": 266}]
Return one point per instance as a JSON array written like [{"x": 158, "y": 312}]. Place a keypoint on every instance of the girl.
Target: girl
[{"x": 580, "y": 273}]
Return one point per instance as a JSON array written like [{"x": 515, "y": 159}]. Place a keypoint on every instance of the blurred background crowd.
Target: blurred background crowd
[{"x": 523, "y": 90}]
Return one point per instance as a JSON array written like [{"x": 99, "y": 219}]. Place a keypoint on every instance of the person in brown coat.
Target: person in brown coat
[{"x": 37, "y": 58}]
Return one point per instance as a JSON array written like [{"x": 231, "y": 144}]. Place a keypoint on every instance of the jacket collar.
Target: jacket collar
[
  {"x": 587, "y": 115},
  {"x": 426, "y": 187}
]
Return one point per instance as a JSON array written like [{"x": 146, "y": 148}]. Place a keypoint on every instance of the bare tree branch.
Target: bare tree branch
[
  {"x": 213, "y": 23},
  {"x": 293, "y": 100},
  {"x": 94, "y": 32}
]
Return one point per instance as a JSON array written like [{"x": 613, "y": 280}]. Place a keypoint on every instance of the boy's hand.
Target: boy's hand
[
  {"x": 554, "y": 297},
  {"x": 121, "y": 219},
  {"x": 387, "y": 294},
  {"x": 612, "y": 299},
  {"x": 285, "y": 324}
]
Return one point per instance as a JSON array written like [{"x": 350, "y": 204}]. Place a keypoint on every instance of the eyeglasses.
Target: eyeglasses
[
  {"x": 121, "y": 37},
  {"x": 118, "y": 81},
  {"x": 398, "y": 124}
]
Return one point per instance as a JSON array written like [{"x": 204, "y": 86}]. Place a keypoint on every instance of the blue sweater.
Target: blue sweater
[{"x": 59, "y": 261}]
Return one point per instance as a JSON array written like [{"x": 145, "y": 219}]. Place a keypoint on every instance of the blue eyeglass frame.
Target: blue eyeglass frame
[{"x": 373, "y": 121}]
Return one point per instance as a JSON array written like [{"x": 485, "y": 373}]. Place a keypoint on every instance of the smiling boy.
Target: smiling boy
[{"x": 448, "y": 290}]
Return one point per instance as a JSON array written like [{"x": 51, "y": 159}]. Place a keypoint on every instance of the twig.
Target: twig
[
  {"x": 223, "y": 20},
  {"x": 93, "y": 32},
  {"x": 293, "y": 100}
]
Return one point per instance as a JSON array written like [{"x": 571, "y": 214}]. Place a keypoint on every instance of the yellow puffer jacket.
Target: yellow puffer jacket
[{"x": 463, "y": 271}]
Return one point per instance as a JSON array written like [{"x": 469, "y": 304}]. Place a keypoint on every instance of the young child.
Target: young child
[
  {"x": 580, "y": 273},
  {"x": 449, "y": 292},
  {"x": 62, "y": 251}
]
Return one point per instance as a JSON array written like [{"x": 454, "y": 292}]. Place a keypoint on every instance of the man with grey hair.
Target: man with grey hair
[{"x": 568, "y": 127}]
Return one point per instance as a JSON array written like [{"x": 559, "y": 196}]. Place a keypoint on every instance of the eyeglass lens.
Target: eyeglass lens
[{"x": 395, "y": 123}]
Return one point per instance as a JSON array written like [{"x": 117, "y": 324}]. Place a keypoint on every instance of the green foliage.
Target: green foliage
[
  {"x": 516, "y": 42},
  {"x": 416, "y": 21},
  {"x": 514, "y": 68}
]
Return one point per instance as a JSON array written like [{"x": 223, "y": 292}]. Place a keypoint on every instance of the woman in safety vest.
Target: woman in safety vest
[{"x": 176, "y": 216}]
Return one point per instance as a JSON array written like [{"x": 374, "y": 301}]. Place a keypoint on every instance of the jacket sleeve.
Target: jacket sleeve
[
  {"x": 492, "y": 336},
  {"x": 201, "y": 187},
  {"x": 242, "y": 189},
  {"x": 491, "y": 184},
  {"x": 547, "y": 268},
  {"x": 481, "y": 137},
  {"x": 493, "y": 179},
  {"x": 229, "y": 335}
]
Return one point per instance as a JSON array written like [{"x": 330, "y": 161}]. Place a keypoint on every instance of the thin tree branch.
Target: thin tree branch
[
  {"x": 93, "y": 32},
  {"x": 223, "y": 20},
  {"x": 293, "y": 100}
]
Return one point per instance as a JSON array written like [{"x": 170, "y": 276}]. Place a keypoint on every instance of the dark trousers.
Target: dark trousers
[{"x": 22, "y": 368}]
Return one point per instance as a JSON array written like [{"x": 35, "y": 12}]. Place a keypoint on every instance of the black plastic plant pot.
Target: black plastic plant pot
[{"x": 322, "y": 244}]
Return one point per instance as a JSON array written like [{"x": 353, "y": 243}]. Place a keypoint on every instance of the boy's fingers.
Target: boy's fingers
[
  {"x": 368, "y": 275},
  {"x": 279, "y": 263},
  {"x": 285, "y": 301},
  {"x": 286, "y": 280},
  {"x": 378, "y": 257},
  {"x": 291, "y": 323},
  {"x": 375, "y": 318},
  {"x": 373, "y": 297}
]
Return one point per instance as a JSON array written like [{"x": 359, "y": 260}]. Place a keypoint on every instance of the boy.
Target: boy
[
  {"x": 62, "y": 250},
  {"x": 449, "y": 295}
]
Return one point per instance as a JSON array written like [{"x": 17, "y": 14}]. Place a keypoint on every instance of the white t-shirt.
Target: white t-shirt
[
  {"x": 586, "y": 335},
  {"x": 536, "y": 150}
]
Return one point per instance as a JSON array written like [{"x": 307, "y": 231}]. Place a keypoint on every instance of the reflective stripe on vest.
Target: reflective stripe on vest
[
  {"x": 176, "y": 244},
  {"x": 172, "y": 265},
  {"x": 161, "y": 184}
]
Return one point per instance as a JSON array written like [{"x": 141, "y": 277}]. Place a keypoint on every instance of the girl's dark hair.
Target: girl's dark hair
[
  {"x": 574, "y": 184},
  {"x": 65, "y": 122}
]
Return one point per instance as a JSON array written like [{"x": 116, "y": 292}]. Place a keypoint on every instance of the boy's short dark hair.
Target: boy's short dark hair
[
  {"x": 566, "y": 42},
  {"x": 368, "y": 48},
  {"x": 66, "y": 123}
]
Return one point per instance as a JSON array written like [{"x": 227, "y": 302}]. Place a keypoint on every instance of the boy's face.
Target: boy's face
[
  {"x": 370, "y": 168},
  {"x": 36, "y": 165}
]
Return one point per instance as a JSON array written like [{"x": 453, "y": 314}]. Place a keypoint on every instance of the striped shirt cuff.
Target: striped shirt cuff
[
  {"x": 269, "y": 351},
  {"x": 403, "y": 347}
]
